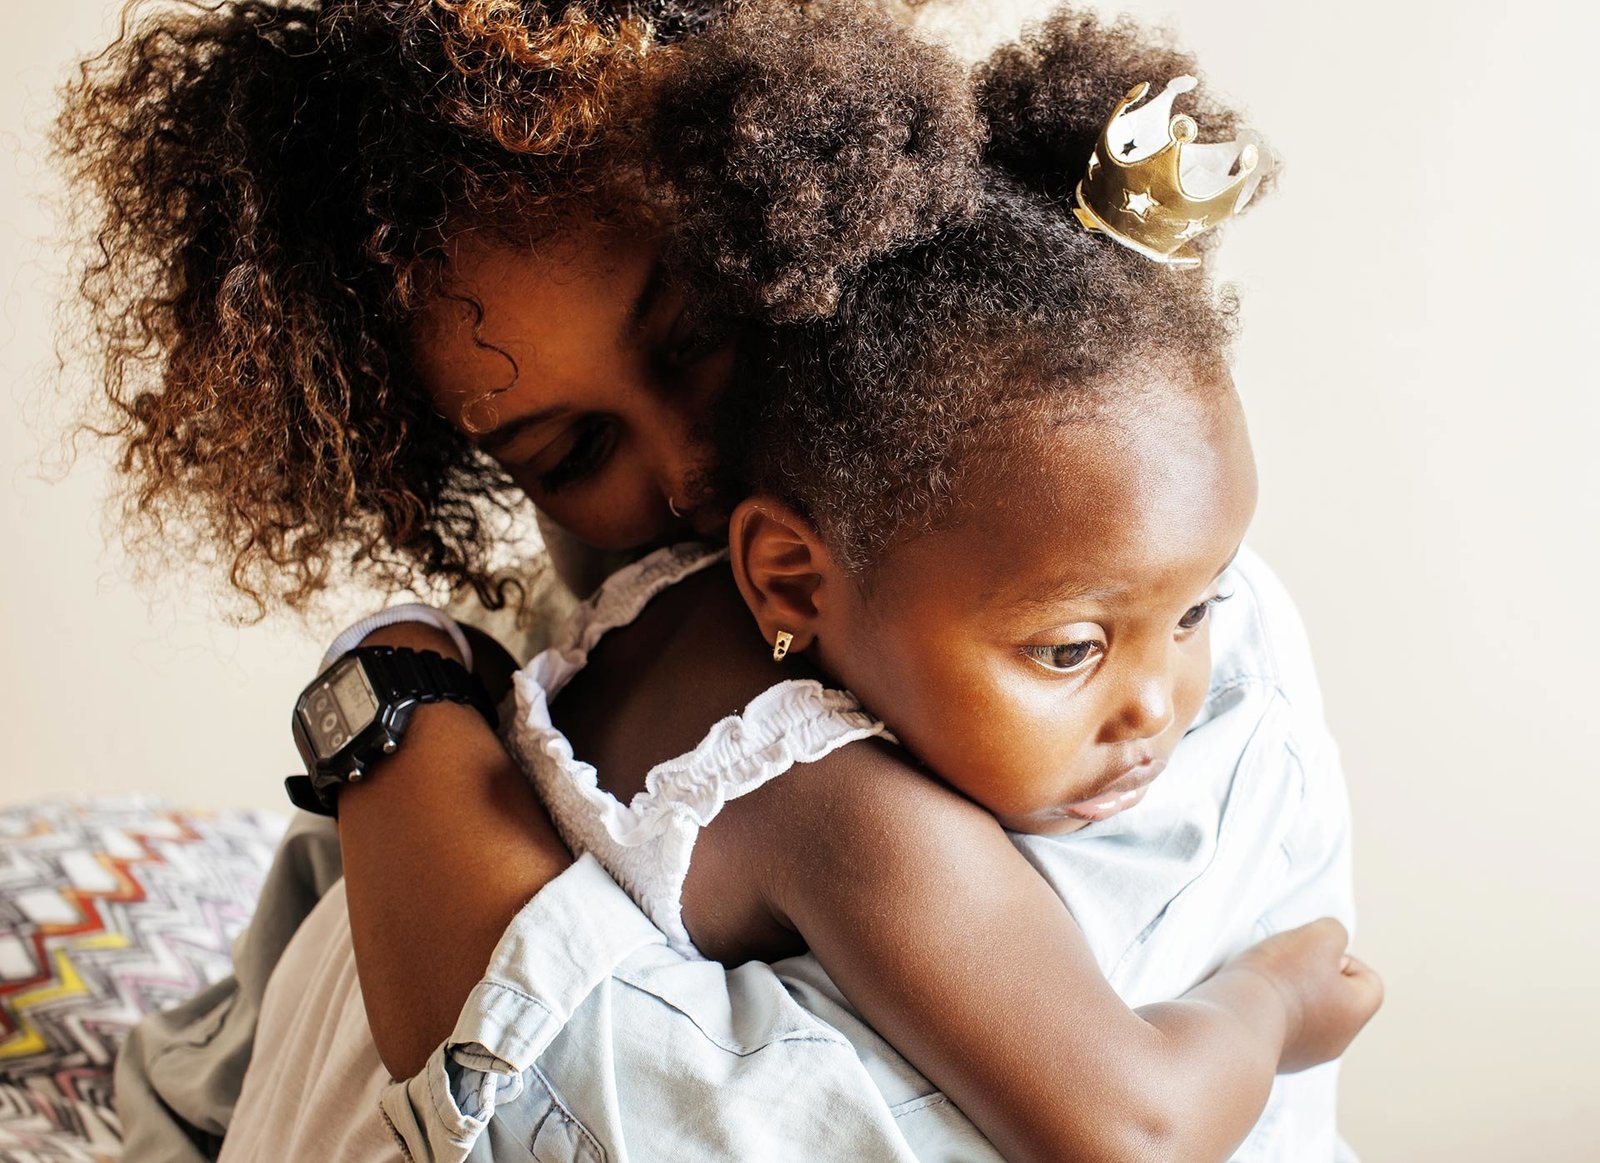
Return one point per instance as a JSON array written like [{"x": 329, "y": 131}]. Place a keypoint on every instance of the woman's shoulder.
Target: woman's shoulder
[
  {"x": 1259, "y": 638},
  {"x": 1264, "y": 712}
]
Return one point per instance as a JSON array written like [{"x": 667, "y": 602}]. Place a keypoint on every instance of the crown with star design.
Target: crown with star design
[{"x": 1153, "y": 188}]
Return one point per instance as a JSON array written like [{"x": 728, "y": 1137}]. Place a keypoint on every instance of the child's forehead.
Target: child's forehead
[
  {"x": 1153, "y": 443},
  {"x": 1116, "y": 501}
]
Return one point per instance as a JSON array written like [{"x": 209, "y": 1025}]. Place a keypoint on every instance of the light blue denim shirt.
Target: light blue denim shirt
[{"x": 588, "y": 1039}]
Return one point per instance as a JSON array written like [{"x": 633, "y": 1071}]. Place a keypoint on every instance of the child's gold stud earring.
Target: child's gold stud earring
[{"x": 780, "y": 645}]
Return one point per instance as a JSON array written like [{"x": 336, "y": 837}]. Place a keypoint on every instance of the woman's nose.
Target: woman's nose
[
  {"x": 680, "y": 449},
  {"x": 678, "y": 460}
]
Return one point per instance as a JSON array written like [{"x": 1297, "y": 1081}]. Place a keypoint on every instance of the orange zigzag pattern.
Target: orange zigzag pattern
[{"x": 90, "y": 923}]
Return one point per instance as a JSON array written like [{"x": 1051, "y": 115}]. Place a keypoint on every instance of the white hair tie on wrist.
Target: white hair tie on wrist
[{"x": 350, "y": 637}]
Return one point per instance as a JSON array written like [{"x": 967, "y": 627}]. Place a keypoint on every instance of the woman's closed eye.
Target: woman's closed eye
[
  {"x": 688, "y": 341},
  {"x": 1195, "y": 615},
  {"x": 580, "y": 452}
]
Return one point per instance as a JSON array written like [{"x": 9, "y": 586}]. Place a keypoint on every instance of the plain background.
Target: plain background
[{"x": 1418, "y": 365}]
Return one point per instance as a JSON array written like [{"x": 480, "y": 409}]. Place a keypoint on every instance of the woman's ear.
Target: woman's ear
[{"x": 781, "y": 568}]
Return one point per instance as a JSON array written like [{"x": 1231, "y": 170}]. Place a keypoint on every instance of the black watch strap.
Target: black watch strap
[
  {"x": 425, "y": 676},
  {"x": 401, "y": 680}
]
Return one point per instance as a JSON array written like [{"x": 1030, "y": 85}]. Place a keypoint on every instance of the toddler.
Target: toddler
[{"x": 994, "y": 477}]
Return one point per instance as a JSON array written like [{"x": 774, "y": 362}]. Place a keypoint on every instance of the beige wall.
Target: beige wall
[
  {"x": 1418, "y": 366},
  {"x": 111, "y": 687}
]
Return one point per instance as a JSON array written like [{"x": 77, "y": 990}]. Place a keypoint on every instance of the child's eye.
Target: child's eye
[
  {"x": 1066, "y": 657},
  {"x": 592, "y": 441},
  {"x": 1194, "y": 615}
]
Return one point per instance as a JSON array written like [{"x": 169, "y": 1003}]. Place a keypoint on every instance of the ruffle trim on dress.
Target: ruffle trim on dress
[
  {"x": 647, "y": 843},
  {"x": 797, "y": 721}
]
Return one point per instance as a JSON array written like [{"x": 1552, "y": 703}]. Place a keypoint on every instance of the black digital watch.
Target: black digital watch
[{"x": 356, "y": 711}]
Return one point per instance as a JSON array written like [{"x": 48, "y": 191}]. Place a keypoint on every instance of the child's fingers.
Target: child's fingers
[
  {"x": 1330, "y": 929},
  {"x": 1365, "y": 980}
]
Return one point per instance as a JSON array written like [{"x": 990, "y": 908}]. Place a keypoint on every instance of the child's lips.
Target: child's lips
[{"x": 1119, "y": 795}]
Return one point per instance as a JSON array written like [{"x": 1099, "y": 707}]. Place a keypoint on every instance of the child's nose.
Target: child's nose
[{"x": 1147, "y": 709}]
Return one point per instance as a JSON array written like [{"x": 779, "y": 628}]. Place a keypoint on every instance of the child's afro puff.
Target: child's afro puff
[
  {"x": 802, "y": 140},
  {"x": 1047, "y": 96},
  {"x": 862, "y": 413}
]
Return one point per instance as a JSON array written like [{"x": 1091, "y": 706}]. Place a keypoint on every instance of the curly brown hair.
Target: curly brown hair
[
  {"x": 267, "y": 188},
  {"x": 796, "y": 143},
  {"x": 264, "y": 187},
  {"x": 988, "y": 301}
]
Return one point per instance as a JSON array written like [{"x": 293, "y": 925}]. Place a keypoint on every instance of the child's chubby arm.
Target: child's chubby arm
[{"x": 949, "y": 943}]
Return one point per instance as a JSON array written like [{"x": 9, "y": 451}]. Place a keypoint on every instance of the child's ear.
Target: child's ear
[{"x": 781, "y": 568}]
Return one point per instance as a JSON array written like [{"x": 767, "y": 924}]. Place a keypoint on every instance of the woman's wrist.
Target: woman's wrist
[
  {"x": 365, "y": 632},
  {"x": 416, "y": 636},
  {"x": 485, "y": 656},
  {"x": 1263, "y": 995}
]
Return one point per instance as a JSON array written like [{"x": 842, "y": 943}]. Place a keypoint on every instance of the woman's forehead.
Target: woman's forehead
[
  {"x": 581, "y": 265},
  {"x": 557, "y": 318}
]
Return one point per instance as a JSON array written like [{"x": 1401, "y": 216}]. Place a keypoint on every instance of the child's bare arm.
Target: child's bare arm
[{"x": 960, "y": 954}]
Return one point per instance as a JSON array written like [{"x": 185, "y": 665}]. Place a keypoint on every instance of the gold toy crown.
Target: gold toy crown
[{"x": 1154, "y": 189}]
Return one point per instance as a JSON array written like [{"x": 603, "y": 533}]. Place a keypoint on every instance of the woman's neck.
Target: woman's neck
[{"x": 653, "y": 688}]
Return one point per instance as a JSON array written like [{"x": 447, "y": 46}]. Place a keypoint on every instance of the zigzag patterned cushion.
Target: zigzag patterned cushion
[{"x": 108, "y": 910}]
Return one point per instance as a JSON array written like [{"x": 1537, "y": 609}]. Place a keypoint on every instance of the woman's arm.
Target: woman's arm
[
  {"x": 442, "y": 846},
  {"x": 950, "y": 943}
]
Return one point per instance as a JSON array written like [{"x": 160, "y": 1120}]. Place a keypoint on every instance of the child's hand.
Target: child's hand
[{"x": 1328, "y": 994}]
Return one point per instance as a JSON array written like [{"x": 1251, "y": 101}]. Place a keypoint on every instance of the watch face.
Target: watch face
[{"x": 338, "y": 709}]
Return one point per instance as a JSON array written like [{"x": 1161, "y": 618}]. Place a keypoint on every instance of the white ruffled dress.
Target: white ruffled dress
[{"x": 647, "y": 843}]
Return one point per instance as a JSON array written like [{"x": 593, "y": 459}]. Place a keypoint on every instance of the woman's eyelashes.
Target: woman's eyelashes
[
  {"x": 687, "y": 342},
  {"x": 590, "y": 443}
]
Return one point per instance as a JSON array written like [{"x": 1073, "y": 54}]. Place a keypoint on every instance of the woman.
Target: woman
[
  {"x": 285, "y": 189},
  {"x": 371, "y": 193}
]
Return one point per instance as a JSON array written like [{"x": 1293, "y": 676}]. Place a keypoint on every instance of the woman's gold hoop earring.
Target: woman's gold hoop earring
[
  {"x": 780, "y": 645},
  {"x": 673, "y": 507}
]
